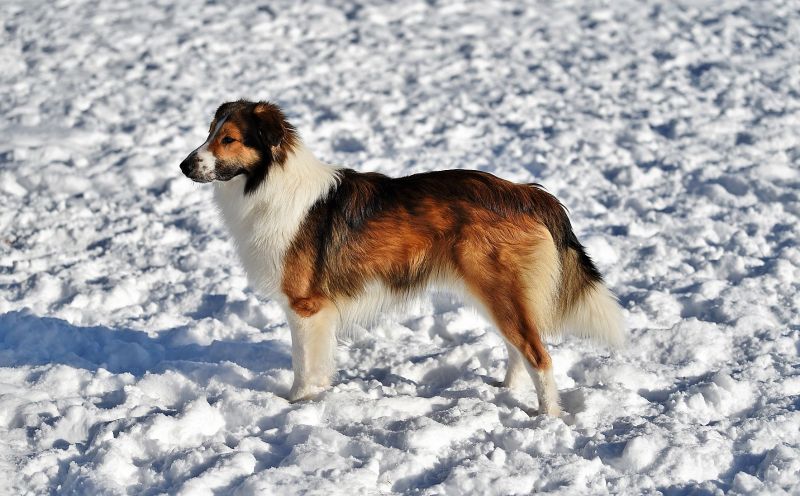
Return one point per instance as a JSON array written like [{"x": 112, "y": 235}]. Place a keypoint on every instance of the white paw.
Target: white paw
[
  {"x": 515, "y": 382},
  {"x": 304, "y": 392},
  {"x": 551, "y": 410}
]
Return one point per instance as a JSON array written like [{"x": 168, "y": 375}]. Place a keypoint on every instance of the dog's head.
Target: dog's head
[{"x": 245, "y": 138}]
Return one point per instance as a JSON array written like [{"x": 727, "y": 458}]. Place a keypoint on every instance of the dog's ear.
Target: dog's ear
[{"x": 271, "y": 124}]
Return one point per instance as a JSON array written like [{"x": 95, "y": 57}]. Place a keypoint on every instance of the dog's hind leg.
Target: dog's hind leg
[
  {"x": 516, "y": 373},
  {"x": 532, "y": 353},
  {"x": 524, "y": 337},
  {"x": 516, "y": 287},
  {"x": 509, "y": 310},
  {"x": 313, "y": 350},
  {"x": 546, "y": 389}
]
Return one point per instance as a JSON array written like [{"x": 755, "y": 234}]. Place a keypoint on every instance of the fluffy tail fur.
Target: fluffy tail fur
[{"x": 586, "y": 307}]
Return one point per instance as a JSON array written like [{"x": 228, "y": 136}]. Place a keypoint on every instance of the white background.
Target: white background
[{"x": 134, "y": 359}]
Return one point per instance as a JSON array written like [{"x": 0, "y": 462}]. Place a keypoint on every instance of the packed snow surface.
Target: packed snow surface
[{"x": 135, "y": 359}]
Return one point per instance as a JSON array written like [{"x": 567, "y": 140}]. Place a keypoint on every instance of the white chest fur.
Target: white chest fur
[{"x": 264, "y": 222}]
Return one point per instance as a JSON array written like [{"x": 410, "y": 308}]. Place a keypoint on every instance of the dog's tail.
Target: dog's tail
[{"x": 585, "y": 306}]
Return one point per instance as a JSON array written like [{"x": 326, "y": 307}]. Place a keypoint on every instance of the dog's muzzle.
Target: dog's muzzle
[
  {"x": 191, "y": 169},
  {"x": 189, "y": 165}
]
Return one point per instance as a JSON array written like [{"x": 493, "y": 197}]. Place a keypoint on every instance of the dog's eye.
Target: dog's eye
[{"x": 227, "y": 140}]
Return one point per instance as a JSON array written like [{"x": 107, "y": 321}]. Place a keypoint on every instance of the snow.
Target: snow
[{"x": 134, "y": 358}]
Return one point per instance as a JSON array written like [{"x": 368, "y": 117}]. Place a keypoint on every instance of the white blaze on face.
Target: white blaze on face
[{"x": 206, "y": 161}]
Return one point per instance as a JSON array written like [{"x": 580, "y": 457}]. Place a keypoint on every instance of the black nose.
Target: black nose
[{"x": 187, "y": 166}]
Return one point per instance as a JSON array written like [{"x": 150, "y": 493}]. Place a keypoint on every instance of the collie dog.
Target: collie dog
[{"x": 334, "y": 246}]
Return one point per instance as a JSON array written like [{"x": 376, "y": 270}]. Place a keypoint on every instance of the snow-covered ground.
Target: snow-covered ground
[{"x": 134, "y": 359}]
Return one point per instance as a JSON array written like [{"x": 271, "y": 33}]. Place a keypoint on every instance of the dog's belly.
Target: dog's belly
[{"x": 378, "y": 300}]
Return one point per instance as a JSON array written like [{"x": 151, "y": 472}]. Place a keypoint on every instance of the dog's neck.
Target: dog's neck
[{"x": 296, "y": 184}]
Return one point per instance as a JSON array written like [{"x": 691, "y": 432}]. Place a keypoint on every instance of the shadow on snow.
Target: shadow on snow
[{"x": 27, "y": 339}]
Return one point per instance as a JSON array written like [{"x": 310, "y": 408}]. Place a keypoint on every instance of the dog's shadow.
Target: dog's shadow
[{"x": 28, "y": 339}]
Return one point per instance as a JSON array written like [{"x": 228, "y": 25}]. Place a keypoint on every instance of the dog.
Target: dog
[{"x": 334, "y": 247}]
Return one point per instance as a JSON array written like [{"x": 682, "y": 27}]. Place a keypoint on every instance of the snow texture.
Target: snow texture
[{"x": 135, "y": 360}]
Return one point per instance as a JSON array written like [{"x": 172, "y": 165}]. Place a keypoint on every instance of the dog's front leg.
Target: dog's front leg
[{"x": 313, "y": 350}]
